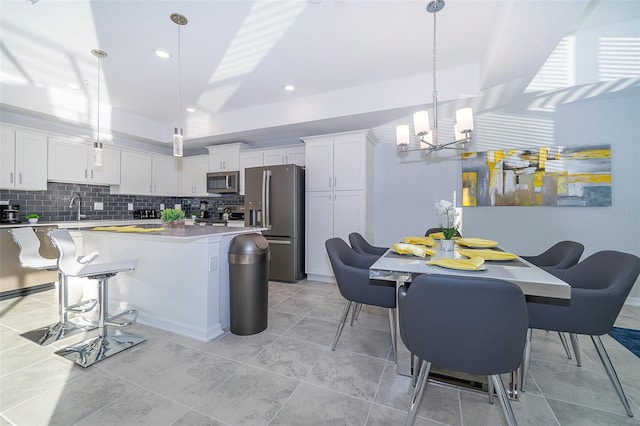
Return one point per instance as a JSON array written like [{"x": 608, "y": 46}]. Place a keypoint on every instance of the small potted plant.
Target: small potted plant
[
  {"x": 173, "y": 217},
  {"x": 448, "y": 223},
  {"x": 33, "y": 218}
]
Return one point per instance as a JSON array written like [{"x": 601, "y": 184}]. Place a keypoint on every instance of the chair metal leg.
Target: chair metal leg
[
  {"x": 526, "y": 360},
  {"x": 105, "y": 344},
  {"x": 611, "y": 372},
  {"x": 565, "y": 345},
  {"x": 392, "y": 327},
  {"x": 490, "y": 389},
  {"x": 65, "y": 327},
  {"x": 418, "y": 391},
  {"x": 355, "y": 313},
  {"x": 576, "y": 348},
  {"x": 343, "y": 319},
  {"x": 504, "y": 401}
]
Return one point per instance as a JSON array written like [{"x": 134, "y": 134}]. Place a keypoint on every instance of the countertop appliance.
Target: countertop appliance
[
  {"x": 204, "y": 210},
  {"x": 274, "y": 199},
  {"x": 231, "y": 216},
  {"x": 10, "y": 213},
  {"x": 223, "y": 182}
]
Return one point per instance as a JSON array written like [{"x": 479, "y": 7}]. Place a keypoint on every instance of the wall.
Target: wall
[
  {"x": 405, "y": 191},
  {"x": 53, "y": 204}
]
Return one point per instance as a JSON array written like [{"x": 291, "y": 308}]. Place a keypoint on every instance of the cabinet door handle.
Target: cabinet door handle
[
  {"x": 150, "y": 189},
  {"x": 329, "y": 182},
  {"x": 335, "y": 182},
  {"x": 155, "y": 188},
  {"x": 20, "y": 176},
  {"x": 85, "y": 173},
  {"x": 10, "y": 177},
  {"x": 91, "y": 174}
]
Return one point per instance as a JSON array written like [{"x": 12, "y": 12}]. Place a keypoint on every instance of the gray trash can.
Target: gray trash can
[{"x": 248, "y": 283}]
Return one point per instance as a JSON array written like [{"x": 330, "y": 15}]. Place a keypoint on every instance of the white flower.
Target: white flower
[{"x": 446, "y": 209}]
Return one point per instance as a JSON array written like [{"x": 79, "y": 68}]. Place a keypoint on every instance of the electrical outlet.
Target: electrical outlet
[
  {"x": 177, "y": 206},
  {"x": 130, "y": 206},
  {"x": 162, "y": 206},
  {"x": 98, "y": 206}
]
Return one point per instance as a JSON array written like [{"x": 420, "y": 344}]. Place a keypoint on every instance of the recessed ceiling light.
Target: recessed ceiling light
[
  {"x": 190, "y": 109},
  {"x": 289, "y": 87},
  {"x": 162, "y": 54}
]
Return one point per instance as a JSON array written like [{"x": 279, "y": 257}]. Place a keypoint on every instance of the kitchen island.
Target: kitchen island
[{"x": 181, "y": 283}]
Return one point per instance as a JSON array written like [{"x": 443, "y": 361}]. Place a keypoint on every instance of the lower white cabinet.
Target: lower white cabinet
[{"x": 331, "y": 214}]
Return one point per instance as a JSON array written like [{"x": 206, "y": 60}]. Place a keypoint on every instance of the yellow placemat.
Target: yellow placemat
[
  {"x": 425, "y": 241},
  {"x": 476, "y": 242},
  {"x": 112, "y": 228},
  {"x": 487, "y": 254},
  {"x": 436, "y": 235},
  {"x": 473, "y": 264},
  {"x": 141, "y": 230},
  {"x": 416, "y": 250}
]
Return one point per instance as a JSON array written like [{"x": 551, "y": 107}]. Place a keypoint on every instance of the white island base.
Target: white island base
[{"x": 181, "y": 283}]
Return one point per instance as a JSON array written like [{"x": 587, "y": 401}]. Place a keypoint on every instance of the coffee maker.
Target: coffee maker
[
  {"x": 9, "y": 213},
  {"x": 204, "y": 210}
]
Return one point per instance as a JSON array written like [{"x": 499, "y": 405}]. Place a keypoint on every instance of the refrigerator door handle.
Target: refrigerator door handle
[
  {"x": 285, "y": 242},
  {"x": 266, "y": 198}
]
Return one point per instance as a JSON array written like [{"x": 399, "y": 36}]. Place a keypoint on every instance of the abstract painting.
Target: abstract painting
[{"x": 544, "y": 176}]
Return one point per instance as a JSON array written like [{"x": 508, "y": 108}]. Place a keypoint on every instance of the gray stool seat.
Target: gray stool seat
[
  {"x": 31, "y": 258},
  {"x": 107, "y": 343}
]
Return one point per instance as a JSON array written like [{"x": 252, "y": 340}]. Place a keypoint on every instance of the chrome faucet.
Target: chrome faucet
[{"x": 76, "y": 197}]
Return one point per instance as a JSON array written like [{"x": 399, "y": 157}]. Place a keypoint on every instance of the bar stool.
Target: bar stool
[
  {"x": 107, "y": 343},
  {"x": 31, "y": 258}
]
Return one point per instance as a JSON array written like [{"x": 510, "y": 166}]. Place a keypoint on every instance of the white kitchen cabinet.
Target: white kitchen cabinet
[
  {"x": 249, "y": 158},
  {"x": 226, "y": 157},
  {"x": 23, "y": 160},
  {"x": 284, "y": 155},
  {"x": 146, "y": 174},
  {"x": 72, "y": 161},
  {"x": 192, "y": 176},
  {"x": 338, "y": 194}
]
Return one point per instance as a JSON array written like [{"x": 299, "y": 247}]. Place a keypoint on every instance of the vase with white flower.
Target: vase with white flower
[{"x": 448, "y": 217}]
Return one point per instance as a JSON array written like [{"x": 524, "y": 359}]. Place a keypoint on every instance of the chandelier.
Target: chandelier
[
  {"x": 97, "y": 144},
  {"x": 429, "y": 141},
  {"x": 178, "y": 133}
]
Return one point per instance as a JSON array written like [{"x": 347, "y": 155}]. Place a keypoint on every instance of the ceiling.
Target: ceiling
[{"x": 355, "y": 64}]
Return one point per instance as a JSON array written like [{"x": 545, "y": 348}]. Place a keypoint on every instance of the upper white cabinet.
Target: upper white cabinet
[
  {"x": 23, "y": 160},
  {"x": 72, "y": 161},
  {"x": 249, "y": 158},
  {"x": 146, "y": 174},
  {"x": 284, "y": 155},
  {"x": 192, "y": 176},
  {"x": 339, "y": 171},
  {"x": 226, "y": 157}
]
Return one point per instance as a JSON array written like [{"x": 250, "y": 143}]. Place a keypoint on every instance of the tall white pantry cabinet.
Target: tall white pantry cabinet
[{"x": 338, "y": 192}]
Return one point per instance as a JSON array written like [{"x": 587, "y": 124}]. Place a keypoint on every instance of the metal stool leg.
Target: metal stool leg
[
  {"x": 105, "y": 344},
  {"x": 65, "y": 327}
]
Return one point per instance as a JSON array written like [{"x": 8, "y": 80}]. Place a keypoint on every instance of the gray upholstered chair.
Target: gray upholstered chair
[
  {"x": 362, "y": 246},
  {"x": 351, "y": 270},
  {"x": 31, "y": 258},
  {"x": 600, "y": 285},
  {"x": 473, "y": 325},
  {"x": 561, "y": 255},
  {"x": 106, "y": 343},
  {"x": 438, "y": 229}
]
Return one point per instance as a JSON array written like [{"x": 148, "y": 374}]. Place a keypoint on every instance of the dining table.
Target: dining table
[{"x": 532, "y": 280}]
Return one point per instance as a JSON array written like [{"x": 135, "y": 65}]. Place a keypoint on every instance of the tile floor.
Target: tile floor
[{"x": 286, "y": 375}]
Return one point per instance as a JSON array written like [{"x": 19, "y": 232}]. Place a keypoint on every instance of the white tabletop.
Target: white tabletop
[{"x": 532, "y": 280}]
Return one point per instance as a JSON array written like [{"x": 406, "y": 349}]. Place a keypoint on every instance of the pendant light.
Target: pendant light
[
  {"x": 97, "y": 144},
  {"x": 178, "y": 133}
]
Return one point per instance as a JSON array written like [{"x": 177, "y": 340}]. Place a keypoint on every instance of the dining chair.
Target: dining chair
[
  {"x": 438, "y": 229},
  {"x": 362, "y": 246},
  {"x": 106, "y": 343},
  {"x": 561, "y": 255},
  {"x": 351, "y": 270},
  {"x": 31, "y": 258},
  {"x": 600, "y": 285},
  {"x": 467, "y": 324}
]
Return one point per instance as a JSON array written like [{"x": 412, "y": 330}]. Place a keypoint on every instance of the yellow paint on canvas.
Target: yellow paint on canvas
[
  {"x": 589, "y": 178},
  {"x": 542, "y": 153},
  {"x": 590, "y": 154},
  {"x": 469, "y": 188}
]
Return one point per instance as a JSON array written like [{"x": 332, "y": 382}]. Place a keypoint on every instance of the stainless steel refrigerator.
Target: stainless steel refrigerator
[{"x": 274, "y": 199}]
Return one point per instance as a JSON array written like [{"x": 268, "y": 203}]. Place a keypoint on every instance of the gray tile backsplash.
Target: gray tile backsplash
[{"x": 53, "y": 204}]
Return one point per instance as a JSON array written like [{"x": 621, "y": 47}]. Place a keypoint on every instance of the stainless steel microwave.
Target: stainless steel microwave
[{"x": 223, "y": 182}]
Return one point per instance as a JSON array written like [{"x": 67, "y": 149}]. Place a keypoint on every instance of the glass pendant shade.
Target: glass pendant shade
[
  {"x": 402, "y": 135},
  {"x": 178, "y": 140},
  {"x": 97, "y": 153},
  {"x": 464, "y": 119},
  {"x": 421, "y": 122}
]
